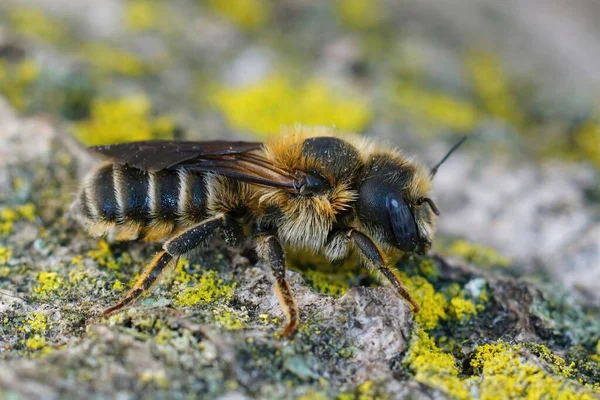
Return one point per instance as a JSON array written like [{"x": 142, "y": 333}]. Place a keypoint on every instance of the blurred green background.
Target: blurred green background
[{"x": 520, "y": 75}]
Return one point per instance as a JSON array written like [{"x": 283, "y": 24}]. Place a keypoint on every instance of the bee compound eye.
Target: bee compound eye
[{"x": 402, "y": 223}]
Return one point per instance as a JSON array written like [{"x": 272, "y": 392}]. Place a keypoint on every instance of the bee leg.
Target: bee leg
[
  {"x": 172, "y": 249},
  {"x": 269, "y": 250},
  {"x": 152, "y": 272},
  {"x": 232, "y": 232},
  {"x": 376, "y": 257}
]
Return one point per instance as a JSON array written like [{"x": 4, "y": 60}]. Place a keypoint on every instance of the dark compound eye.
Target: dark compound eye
[{"x": 403, "y": 224}]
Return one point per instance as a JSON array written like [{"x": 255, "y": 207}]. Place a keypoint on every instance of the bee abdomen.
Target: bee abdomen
[{"x": 135, "y": 203}]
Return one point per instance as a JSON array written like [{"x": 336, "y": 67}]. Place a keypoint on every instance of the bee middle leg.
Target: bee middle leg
[
  {"x": 372, "y": 253},
  {"x": 270, "y": 251},
  {"x": 172, "y": 249}
]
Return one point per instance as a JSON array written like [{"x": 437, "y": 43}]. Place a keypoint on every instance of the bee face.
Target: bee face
[{"x": 393, "y": 205}]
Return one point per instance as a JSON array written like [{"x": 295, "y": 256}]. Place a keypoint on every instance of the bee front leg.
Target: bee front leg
[
  {"x": 172, "y": 249},
  {"x": 269, "y": 250},
  {"x": 375, "y": 256}
]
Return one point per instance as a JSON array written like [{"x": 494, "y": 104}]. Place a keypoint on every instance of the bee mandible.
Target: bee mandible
[{"x": 307, "y": 188}]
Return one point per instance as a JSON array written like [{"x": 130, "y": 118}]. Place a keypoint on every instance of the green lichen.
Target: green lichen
[
  {"x": 479, "y": 255},
  {"x": 265, "y": 106},
  {"x": 129, "y": 119},
  {"x": 208, "y": 289}
]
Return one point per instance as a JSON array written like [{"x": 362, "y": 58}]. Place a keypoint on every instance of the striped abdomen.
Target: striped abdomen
[{"x": 142, "y": 204}]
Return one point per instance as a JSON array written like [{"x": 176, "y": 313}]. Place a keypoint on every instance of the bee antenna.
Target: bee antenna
[{"x": 437, "y": 166}]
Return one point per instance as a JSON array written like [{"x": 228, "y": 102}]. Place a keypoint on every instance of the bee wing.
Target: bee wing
[
  {"x": 154, "y": 155},
  {"x": 237, "y": 160}
]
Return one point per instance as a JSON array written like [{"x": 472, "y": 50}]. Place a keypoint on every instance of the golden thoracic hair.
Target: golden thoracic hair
[{"x": 350, "y": 164}]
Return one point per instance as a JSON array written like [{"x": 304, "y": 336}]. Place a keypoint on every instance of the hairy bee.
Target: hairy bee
[{"x": 307, "y": 188}]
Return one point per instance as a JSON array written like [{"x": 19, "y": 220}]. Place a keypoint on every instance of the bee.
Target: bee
[{"x": 307, "y": 188}]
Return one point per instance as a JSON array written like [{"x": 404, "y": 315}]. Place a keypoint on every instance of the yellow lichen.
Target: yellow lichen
[
  {"x": 49, "y": 282},
  {"x": 230, "y": 319},
  {"x": 38, "y": 25},
  {"x": 36, "y": 342},
  {"x": 15, "y": 81},
  {"x": 126, "y": 119},
  {"x": 479, "y": 255},
  {"x": 587, "y": 139},
  {"x": 112, "y": 60},
  {"x": 312, "y": 395},
  {"x": 360, "y": 14},
  {"x": 164, "y": 335},
  {"x": 27, "y": 211},
  {"x": 5, "y": 255},
  {"x": 492, "y": 88},
  {"x": 37, "y": 322},
  {"x": 436, "y": 108},
  {"x": 247, "y": 14},
  {"x": 433, "y": 304},
  {"x": 142, "y": 15},
  {"x": 157, "y": 377},
  {"x": 5, "y": 228},
  {"x": 265, "y": 106},
  {"x": 326, "y": 283},
  {"x": 104, "y": 256},
  {"x": 209, "y": 288},
  {"x": 433, "y": 367},
  {"x": 461, "y": 308},
  {"x": 118, "y": 286},
  {"x": 505, "y": 373}
]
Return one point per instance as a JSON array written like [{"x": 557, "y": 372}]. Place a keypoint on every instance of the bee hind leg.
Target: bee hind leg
[
  {"x": 270, "y": 251},
  {"x": 172, "y": 249},
  {"x": 374, "y": 255}
]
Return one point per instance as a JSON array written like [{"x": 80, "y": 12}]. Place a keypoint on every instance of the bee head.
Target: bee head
[{"x": 393, "y": 205}]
